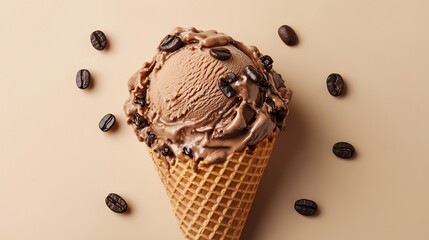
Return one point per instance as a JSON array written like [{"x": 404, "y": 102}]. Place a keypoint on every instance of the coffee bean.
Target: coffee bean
[
  {"x": 107, "y": 122},
  {"x": 306, "y": 207},
  {"x": 140, "y": 99},
  {"x": 150, "y": 138},
  {"x": 165, "y": 151},
  {"x": 252, "y": 73},
  {"x": 267, "y": 61},
  {"x": 281, "y": 114},
  {"x": 224, "y": 84},
  {"x": 116, "y": 203},
  {"x": 230, "y": 77},
  {"x": 170, "y": 43},
  {"x": 83, "y": 78},
  {"x": 343, "y": 150},
  {"x": 222, "y": 54},
  {"x": 288, "y": 35},
  {"x": 139, "y": 121},
  {"x": 255, "y": 76},
  {"x": 98, "y": 40},
  {"x": 188, "y": 151},
  {"x": 335, "y": 84}
]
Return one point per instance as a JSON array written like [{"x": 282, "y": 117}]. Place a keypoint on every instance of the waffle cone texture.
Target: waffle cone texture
[{"x": 214, "y": 202}]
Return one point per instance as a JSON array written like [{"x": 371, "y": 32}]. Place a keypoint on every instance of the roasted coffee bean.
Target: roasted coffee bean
[
  {"x": 306, "y": 207},
  {"x": 170, "y": 43},
  {"x": 188, "y": 151},
  {"x": 83, "y": 78},
  {"x": 281, "y": 114},
  {"x": 107, "y": 122},
  {"x": 139, "y": 121},
  {"x": 220, "y": 53},
  {"x": 98, "y": 40},
  {"x": 165, "y": 151},
  {"x": 268, "y": 62},
  {"x": 271, "y": 103},
  {"x": 263, "y": 82},
  {"x": 150, "y": 138},
  {"x": 343, "y": 150},
  {"x": 224, "y": 85},
  {"x": 140, "y": 99},
  {"x": 255, "y": 76},
  {"x": 252, "y": 73},
  {"x": 230, "y": 77},
  {"x": 116, "y": 203},
  {"x": 335, "y": 84},
  {"x": 288, "y": 35}
]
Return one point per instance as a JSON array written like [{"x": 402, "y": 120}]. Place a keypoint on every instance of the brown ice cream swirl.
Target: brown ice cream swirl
[{"x": 189, "y": 104}]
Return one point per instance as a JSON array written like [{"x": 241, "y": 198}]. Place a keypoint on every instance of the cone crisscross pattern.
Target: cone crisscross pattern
[{"x": 214, "y": 202}]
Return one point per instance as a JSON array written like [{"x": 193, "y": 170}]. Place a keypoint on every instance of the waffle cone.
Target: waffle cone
[{"x": 214, "y": 202}]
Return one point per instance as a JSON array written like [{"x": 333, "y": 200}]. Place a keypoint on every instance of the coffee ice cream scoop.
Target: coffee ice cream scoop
[{"x": 204, "y": 96}]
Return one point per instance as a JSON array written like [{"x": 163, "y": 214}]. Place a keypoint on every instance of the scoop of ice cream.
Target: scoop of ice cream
[
  {"x": 186, "y": 86},
  {"x": 204, "y": 96}
]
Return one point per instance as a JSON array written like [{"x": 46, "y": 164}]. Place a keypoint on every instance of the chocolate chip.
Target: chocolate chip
[
  {"x": 150, "y": 138},
  {"x": 343, "y": 150},
  {"x": 335, "y": 84},
  {"x": 267, "y": 61},
  {"x": 116, "y": 203},
  {"x": 139, "y": 121},
  {"x": 83, "y": 78},
  {"x": 170, "y": 43},
  {"x": 220, "y": 53},
  {"x": 224, "y": 84},
  {"x": 255, "y": 76},
  {"x": 107, "y": 122},
  {"x": 165, "y": 151},
  {"x": 288, "y": 35},
  {"x": 306, "y": 207},
  {"x": 98, "y": 40},
  {"x": 140, "y": 99},
  {"x": 188, "y": 151}
]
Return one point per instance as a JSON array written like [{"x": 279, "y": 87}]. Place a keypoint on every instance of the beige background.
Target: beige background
[{"x": 56, "y": 166}]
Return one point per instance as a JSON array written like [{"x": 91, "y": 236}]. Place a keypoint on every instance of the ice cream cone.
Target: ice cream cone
[{"x": 214, "y": 202}]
